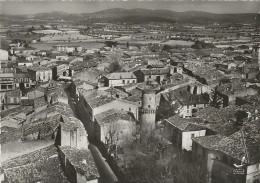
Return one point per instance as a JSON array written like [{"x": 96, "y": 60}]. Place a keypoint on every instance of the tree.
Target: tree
[
  {"x": 114, "y": 67},
  {"x": 215, "y": 99},
  {"x": 111, "y": 43},
  {"x": 202, "y": 45}
]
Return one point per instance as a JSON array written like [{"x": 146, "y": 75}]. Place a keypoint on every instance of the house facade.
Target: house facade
[
  {"x": 119, "y": 79},
  {"x": 180, "y": 132},
  {"x": 40, "y": 74},
  {"x": 6, "y": 82}
]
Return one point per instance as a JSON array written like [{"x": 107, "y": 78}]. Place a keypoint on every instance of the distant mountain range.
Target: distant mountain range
[{"x": 119, "y": 15}]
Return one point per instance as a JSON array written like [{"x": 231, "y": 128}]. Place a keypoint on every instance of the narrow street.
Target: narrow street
[{"x": 104, "y": 169}]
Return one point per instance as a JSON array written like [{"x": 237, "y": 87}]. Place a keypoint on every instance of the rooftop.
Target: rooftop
[
  {"x": 113, "y": 115},
  {"x": 208, "y": 141},
  {"x": 186, "y": 124},
  {"x": 160, "y": 71},
  {"x": 233, "y": 145},
  {"x": 121, "y": 75},
  {"x": 41, "y": 165},
  {"x": 82, "y": 160}
]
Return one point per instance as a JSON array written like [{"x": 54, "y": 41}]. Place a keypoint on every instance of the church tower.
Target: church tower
[{"x": 148, "y": 111}]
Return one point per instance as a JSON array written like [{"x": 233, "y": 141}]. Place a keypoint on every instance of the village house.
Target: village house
[
  {"x": 157, "y": 75},
  {"x": 40, "y": 74},
  {"x": 77, "y": 85},
  {"x": 12, "y": 99},
  {"x": 66, "y": 48},
  {"x": 184, "y": 101},
  {"x": 72, "y": 133},
  {"x": 7, "y": 82},
  {"x": 94, "y": 102},
  {"x": 3, "y": 55},
  {"x": 78, "y": 165},
  {"x": 119, "y": 79},
  {"x": 8, "y": 66},
  {"x": 180, "y": 131},
  {"x": 232, "y": 89},
  {"x": 22, "y": 80},
  {"x": 176, "y": 67},
  {"x": 219, "y": 121},
  {"x": 24, "y": 62},
  {"x": 115, "y": 126},
  {"x": 60, "y": 70},
  {"x": 59, "y": 56},
  {"x": 222, "y": 156}
]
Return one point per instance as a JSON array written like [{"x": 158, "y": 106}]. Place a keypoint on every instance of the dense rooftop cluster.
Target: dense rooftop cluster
[{"x": 107, "y": 96}]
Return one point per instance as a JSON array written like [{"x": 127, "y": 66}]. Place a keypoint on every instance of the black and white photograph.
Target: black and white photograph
[{"x": 129, "y": 91}]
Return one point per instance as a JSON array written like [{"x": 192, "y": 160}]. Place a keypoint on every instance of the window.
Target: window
[
  {"x": 195, "y": 105},
  {"x": 133, "y": 81},
  {"x": 150, "y": 77},
  {"x": 128, "y": 81},
  {"x": 150, "y": 98},
  {"x": 123, "y": 81},
  {"x": 130, "y": 109},
  {"x": 192, "y": 135},
  {"x": 4, "y": 87},
  {"x": 257, "y": 181},
  {"x": 149, "y": 106},
  {"x": 25, "y": 80}
]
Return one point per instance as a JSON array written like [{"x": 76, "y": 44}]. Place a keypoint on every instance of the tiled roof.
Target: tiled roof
[
  {"x": 233, "y": 145},
  {"x": 45, "y": 126},
  {"x": 13, "y": 93},
  {"x": 38, "y": 68},
  {"x": 76, "y": 158},
  {"x": 41, "y": 165},
  {"x": 114, "y": 91},
  {"x": 38, "y": 102},
  {"x": 17, "y": 110},
  {"x": 208, "y": 141},
  {"x": 21, "y": 75},
  {"x": 155, "y": 71},
  {"x": 99, "y": 101},
  {"x": 90, "y": 75},
  {"x": 121, "y": 75},
  {"x": 113, "y": 115},
  {"x": 185, "y": 124},
  {"x": 185, "y": 98}
]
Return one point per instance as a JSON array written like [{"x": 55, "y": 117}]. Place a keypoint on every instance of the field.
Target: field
[
  {"x": 47, "y": 31},
  {"x": 86, "y": 45}
]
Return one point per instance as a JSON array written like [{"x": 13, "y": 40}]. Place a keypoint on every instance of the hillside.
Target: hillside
[{"x": 118, "y": 15}]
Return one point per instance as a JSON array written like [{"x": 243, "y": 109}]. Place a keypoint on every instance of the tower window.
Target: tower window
[
  {"x": 130, "y": 109},
  {"x": 149, "y": 106}
]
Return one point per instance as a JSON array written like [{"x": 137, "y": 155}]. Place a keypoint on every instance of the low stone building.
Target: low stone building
[{"x": 180, "y": 131}]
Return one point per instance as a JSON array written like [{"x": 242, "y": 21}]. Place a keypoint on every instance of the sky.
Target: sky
[{"x": 89, "y": 6}]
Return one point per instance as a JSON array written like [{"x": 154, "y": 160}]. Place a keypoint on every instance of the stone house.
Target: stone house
[{"x": 181, "y": 131}]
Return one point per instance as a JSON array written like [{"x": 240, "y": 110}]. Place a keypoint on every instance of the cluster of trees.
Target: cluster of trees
[
  {"x": 155, "y": 165},
  {"x": 202, "y": 45}
]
